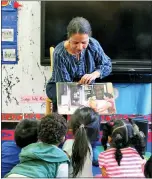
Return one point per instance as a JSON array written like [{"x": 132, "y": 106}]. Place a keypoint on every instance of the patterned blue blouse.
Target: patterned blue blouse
[{"x": 67, "y": 68}]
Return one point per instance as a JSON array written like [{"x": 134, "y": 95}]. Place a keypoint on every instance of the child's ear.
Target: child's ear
[
  {"x": 63, "y": 139},
  {"x": 109, "y": 139}
]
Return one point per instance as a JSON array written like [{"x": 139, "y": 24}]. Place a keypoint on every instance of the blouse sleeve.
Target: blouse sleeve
[
  {"x": 62, "y": 171},
  {"x": 60, "y": 73},
  {"x": 103, "y": 62},
  {"x": 101, "y": 160}
]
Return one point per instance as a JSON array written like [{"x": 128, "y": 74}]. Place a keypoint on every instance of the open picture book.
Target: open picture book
[{"x": 99, "y": 96}]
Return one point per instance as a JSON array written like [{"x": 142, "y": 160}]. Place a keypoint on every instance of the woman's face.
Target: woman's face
[{"x": 78, "y": 42}]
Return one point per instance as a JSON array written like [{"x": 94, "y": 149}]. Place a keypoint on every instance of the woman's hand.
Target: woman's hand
[{"x": 88, "y": 78}]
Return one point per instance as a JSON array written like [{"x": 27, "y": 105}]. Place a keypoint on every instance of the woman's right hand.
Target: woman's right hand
[{"x": 88, "y": 78}]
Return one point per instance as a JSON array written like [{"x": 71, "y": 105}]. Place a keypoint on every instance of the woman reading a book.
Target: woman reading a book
[{"x": 78, "y": 59}]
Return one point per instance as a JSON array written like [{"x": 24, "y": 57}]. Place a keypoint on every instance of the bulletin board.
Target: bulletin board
[{"x": 9, "y": 33}]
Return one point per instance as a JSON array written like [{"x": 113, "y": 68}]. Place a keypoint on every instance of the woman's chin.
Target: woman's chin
[{"x": 77, "y": 52}]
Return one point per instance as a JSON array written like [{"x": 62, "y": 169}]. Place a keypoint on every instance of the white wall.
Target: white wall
[{"x": 28, "y": 77}]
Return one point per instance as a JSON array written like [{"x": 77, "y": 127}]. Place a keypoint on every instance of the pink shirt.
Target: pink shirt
[{"x": 131, "y": 164}]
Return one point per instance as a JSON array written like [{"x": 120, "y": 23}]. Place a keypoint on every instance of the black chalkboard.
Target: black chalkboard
[{"x": 123, "y": 28}]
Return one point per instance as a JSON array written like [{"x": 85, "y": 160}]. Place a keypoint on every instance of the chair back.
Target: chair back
[
  {"x": 49, "y": 104},
  {"x": 51, "y": 59}
]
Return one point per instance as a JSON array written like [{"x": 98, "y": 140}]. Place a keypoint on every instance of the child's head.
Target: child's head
[
  {"x": 85, "y": 123},
  {"x": 26, "y": 132},
  {"x": 52, "y": 129},
  {"x": 148, "y": 168},
  {"x": 122, "y": 133}
]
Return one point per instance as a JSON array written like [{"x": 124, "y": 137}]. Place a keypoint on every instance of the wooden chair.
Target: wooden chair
[{"x": 49, "y": 104}]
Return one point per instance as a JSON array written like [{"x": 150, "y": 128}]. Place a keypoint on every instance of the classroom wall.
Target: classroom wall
[
  {"x": 28, "y": 78},
  {"x": 23, "y": 84}
]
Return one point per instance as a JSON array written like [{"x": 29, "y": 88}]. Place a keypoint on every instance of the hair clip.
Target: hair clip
[
  {"x": 142, "y": 134},
  {"x": 135, "y": 129},
  {"x": 118, "y": 136},
  {"x": 82, "y": 126}
]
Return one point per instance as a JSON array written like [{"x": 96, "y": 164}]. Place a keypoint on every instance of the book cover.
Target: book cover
[{"x": 99, "y": 96}]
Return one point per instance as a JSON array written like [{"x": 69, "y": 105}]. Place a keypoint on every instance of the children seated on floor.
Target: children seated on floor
[
  {"x": 124, "y": 158},
  {"x": 44, "y": 159},
  {"x": 85, "y": 125},
  {"x": 25, "y": 134}
]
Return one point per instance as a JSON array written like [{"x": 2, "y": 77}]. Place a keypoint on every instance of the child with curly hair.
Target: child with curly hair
[
  {"x": 124, "y": 158},
  {"x": 44, "y": 159}
]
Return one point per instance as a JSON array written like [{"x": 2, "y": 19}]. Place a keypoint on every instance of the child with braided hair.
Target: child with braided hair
[{"x": 124, "y": 158}]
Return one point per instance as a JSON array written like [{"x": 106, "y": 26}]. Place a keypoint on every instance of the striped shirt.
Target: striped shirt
[
  {"x": 67, "y": 68},
  {"x": 131, "y": 164}
]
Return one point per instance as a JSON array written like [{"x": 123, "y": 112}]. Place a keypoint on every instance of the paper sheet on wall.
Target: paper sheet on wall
[
  {"x": 9, "y": 47},
  {"x": 7, "y": 35},
  {"x": 9, "y": 55},
  {"x": 33, "y": 99}
]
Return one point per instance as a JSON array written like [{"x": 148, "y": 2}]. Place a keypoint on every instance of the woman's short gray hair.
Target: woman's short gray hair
[{"x": 79, "y": 25}]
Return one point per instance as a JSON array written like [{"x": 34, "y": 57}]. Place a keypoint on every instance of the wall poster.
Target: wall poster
[{"x": 9, "y": 54}]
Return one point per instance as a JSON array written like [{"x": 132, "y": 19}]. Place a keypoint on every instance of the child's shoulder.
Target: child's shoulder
[
  {"x": 67, "y": 146},
  {"x": 69, "y": 142},
  {"x": 124, "y": 150},
  {"x": 107, "y": 152},
  {"x": 110, "y": 150},
  {"x": 128, "y": 150}
]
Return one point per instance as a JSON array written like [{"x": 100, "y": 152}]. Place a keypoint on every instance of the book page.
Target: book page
[{"x": 71, "y": 96}]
